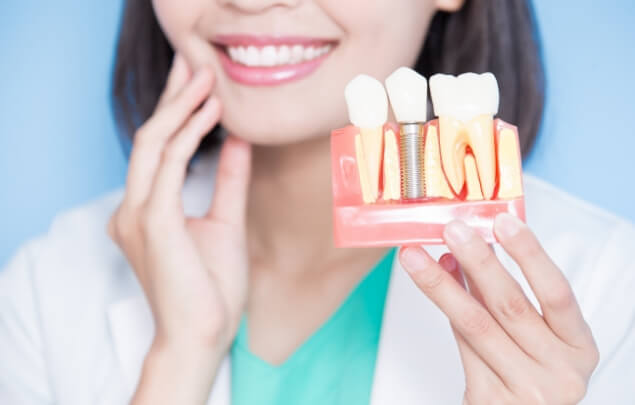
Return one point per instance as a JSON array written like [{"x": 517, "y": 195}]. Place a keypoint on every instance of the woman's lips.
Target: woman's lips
[{"x": 268, "y": 61}]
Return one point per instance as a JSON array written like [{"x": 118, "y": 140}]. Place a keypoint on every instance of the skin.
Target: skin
[{"x": 252, "y": 253}]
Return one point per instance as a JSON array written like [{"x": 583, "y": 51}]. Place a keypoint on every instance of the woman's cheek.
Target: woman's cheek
[{"x": 178, "y": 22}]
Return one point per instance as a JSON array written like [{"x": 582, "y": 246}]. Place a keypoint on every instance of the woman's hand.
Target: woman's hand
[
  {"x": 193, "y": 270},
  {"x": 511, "y": 354}
]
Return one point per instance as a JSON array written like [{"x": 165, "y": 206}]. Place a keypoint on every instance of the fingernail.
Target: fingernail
[
  {"x": 507, "y": 225},
  {"x": 414, "y": 259},
  {"x": 448, "y": 262},
  {"x": 457, "y": 232}
]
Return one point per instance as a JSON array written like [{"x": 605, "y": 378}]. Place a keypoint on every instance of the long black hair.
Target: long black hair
[{"x": 498, "y": 36}]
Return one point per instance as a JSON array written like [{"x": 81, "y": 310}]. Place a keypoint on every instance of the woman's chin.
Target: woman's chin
[{"x": 272, "y": 135}]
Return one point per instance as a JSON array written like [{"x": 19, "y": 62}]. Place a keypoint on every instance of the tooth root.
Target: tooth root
[
  {"x": 453, "y": 140},
  {"x": 435, "y": 183},
  {"x": 364, "y": 181},
  {"x": 392, "y": 186},
  {"x": 481, "y": 140},
  {"x": 471, "y": 178},
  {"x": 372, "y": 142},
  {"x": 509, "y": 165}
]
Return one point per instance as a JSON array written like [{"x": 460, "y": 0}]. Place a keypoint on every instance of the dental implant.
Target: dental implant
[
  {"x": 411, "y": 143},
  {"x": 408, "y": 93}
]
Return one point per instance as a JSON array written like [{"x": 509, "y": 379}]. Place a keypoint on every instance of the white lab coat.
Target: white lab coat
[{"x": 75, "y": 326}]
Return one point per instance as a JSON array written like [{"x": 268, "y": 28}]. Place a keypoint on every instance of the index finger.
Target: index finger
[{"x": 180, "y": 73}]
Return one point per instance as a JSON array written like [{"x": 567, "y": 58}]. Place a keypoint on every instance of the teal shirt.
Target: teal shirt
[{"x": 334, "y": 366}]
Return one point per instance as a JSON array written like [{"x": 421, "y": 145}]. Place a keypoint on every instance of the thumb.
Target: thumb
[{"x": 229, "y": 203}]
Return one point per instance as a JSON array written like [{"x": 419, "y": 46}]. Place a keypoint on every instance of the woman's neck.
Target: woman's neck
[{"x": 290, "y": 207}]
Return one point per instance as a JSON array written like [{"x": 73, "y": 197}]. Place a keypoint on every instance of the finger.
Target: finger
[
  {"x": 232, "y": 181},
  {"x": 178, "y": 77},
  {"x": 152, "y": 137},
  {"x": 477, "y": 374},
  {"x": 471, "y": 319},
  {"x": 167, "y": 187},
  {"x": 557, "y": 300},
  {"x": 499, "y": 291}
]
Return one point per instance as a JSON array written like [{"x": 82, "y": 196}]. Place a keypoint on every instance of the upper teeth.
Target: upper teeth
[
  {"x": 465, "y": 96},
  {"x": 275, "y": 55}
]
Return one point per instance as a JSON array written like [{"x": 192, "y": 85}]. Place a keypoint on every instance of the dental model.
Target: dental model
[
  {"x": 368, "y": 110},
  {"x": 464, "y": 165}
]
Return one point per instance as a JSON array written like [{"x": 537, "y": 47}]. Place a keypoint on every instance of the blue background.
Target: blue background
[{"x": 59, "y": 147}]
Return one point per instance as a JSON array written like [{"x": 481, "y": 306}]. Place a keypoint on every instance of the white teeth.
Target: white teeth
[
  {"x": 465, "y": 96},
  {"x": 309, "y": 53},
  {"x": 408, "y": 92},
  {"x": 252, "y": 58},
  {"x": 275, "y": 55},
  {"x": 367, "y": 102},
  {"x": 284, "y": 55}
]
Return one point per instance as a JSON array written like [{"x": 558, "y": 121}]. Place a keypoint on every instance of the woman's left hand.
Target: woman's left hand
[{"x": 511, "y": 354}]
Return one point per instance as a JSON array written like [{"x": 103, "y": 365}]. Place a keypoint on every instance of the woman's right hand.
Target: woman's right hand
[{"x": 193, "y": 271}]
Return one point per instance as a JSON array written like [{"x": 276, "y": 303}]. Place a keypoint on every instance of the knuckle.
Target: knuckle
[
  {"x": 594, "y": 356},
  {"x": 123, "y": 227},
  {"x": 572, "y": 388},
  {"x": 141, "y": 135},
  {"x": 175, "y": 154},
  {"x": 475, "y": 322},
  {"x": 515, "y": 307},
  {"x": 559, "y": 296},
  {"x": 486, "y": 258},
  {"x": 486, "y": 395},
  {"x": 430, "y": 279},
  {"x": 527, "y": 245}
]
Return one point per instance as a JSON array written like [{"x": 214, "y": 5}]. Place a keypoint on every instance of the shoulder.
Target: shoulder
[
  {"x": 54, "y": 300},
  {"x": 76, "y": 244}
]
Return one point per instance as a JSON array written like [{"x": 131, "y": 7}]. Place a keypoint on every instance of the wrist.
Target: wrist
[{"x": 172, "y": 374}]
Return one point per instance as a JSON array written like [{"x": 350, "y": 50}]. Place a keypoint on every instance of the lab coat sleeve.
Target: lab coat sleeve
[
  {"x": 23, "y": 371},
  {"x": 613, "y": 320}
]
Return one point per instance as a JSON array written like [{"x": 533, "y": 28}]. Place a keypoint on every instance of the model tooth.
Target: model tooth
[
  {"x": 408, "y": 93},
  {"x": 509, "y": 165},
  {"x": 392, "y": 182},
  {"x": 466, "y": 106},
  {"x": 471, "y": 180},
  {"x": 368, "y": 109},
  {"x": 367, "y": 102},
  {"x": 464, "y": 97}
]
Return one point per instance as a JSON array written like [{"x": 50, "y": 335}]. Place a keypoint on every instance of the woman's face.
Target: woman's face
[{"x": 282, "y": 65}]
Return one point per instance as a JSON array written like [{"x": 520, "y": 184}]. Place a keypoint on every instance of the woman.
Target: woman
[{"x": 240, "y": 297}]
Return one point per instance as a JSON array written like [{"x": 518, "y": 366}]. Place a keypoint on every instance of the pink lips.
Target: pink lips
[{"x": 267, "y": 76}]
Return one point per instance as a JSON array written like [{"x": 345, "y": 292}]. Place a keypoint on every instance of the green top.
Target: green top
[{"x": 333, "y": 366}]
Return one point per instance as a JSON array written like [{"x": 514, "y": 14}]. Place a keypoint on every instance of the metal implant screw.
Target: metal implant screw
[{"x": 411, "y": 145}]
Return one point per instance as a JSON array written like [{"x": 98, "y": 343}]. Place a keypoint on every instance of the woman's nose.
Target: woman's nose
[{"x": 258, "y": 6}]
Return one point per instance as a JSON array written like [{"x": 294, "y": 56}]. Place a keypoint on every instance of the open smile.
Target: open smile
[{"x": 265, "y": 61}]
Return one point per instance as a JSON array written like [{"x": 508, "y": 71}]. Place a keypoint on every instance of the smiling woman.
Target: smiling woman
[
  {"x": 476, "y": 37},
  {"x": 216, "y": 280}
]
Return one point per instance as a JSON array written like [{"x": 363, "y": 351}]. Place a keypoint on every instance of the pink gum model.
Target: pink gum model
[{"x": 404, "y": 222}]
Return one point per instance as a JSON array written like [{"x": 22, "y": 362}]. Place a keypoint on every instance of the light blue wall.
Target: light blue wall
[{"x": 58, "y": 146}]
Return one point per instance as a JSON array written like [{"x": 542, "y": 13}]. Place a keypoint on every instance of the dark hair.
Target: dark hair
[{"x": 498, "y": 36}]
